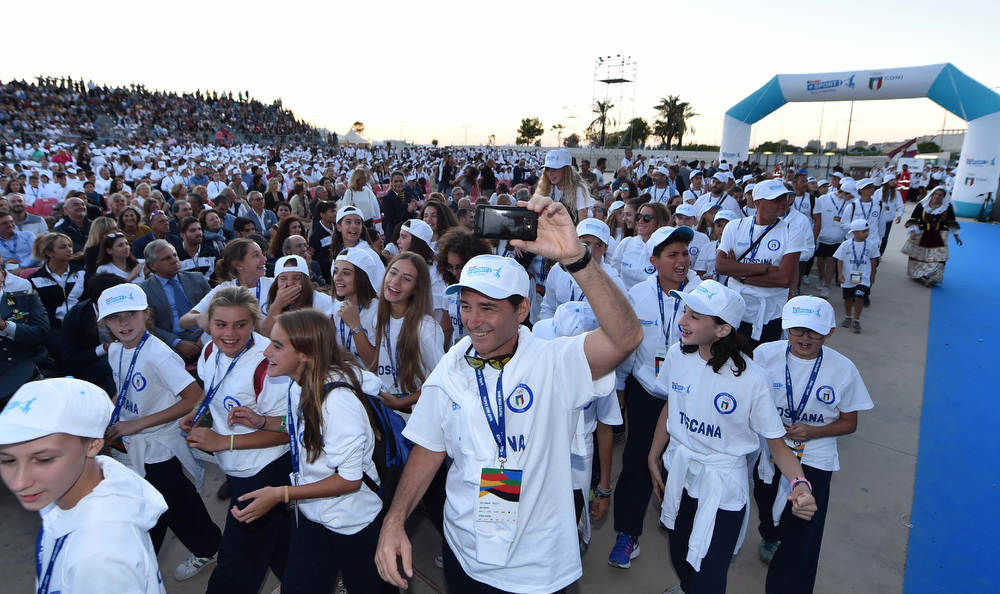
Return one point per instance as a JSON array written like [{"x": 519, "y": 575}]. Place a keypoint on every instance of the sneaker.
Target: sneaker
[
  {"x": 857, "y": 326},
  {"x": 341, "y": 588},
  {"x": 439, "y": 560},
  {"x": 626, "y": 548},
  {"x": 225, "y": 491},
  {"x": 192, "y": 566},
  {"x": 766, "y": 550},
  {"x": 824, "y": 292},
  {"x": 675, "y": 590},
  {"x": 805, "y": 280},
  {"x": 846, "y": 323}
]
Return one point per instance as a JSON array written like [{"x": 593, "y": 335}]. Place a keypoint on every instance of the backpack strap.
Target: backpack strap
[
  {"x": 208, "y": 350},
  {"x": 372, "y": 414},
  {"x": 259, "y": 377}
]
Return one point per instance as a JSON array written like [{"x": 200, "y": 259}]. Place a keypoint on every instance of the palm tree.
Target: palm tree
[
  {"x": 558, "y": 128},
  {"x": 603, "y": 111},
  {"x": 674, "y": 114},
  {"x": 684, "y": 113}
]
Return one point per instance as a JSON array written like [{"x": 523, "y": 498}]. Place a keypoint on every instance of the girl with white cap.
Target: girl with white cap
[
  {"x": 153, "y": 391},
  {"x": 51, "y": 432},
  {"x": 719, "y": 405},
  {"x": 415, "y": 236},
  {"x": 290, "y": 290},
  {"x": 818, "y": 393},
  {"x": 891, "y": 201},
  {"x": 350, "y": 232},
  {"x": 234, "y": 370},
  {"x": 562, "y": 183},
  {"x": 357, "y": 278}
]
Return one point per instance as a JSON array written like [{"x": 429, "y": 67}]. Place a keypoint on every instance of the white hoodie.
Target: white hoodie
[{"x": 108, "y": 546}]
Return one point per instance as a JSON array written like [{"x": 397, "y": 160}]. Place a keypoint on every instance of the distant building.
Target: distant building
[
  {"x": 831, "y": 146},
  {"x": 861, "y": 144},
  {"x": 813, "y": 145}
]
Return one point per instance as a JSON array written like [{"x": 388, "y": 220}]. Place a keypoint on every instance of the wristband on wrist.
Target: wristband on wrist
[
  {"x": 283, "y": 427},
  {"x": 232, "y": 437},
  {"x": 801, "y": 481},
  {"x": 286, "y": 493},
  {"x": 579, "y": 264},
  {"x": 602, "y": 493}
]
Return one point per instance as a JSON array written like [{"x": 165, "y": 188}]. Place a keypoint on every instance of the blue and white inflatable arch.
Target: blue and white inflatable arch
[{"x": 944, "y": 84}]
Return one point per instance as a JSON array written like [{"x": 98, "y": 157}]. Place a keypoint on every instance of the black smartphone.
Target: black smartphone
[{"x": 506, "y": 222}]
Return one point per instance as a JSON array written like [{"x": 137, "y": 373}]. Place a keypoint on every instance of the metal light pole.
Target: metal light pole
[
  {"x": 466, "y": 143},
  {"x": 401, "y": 122}
]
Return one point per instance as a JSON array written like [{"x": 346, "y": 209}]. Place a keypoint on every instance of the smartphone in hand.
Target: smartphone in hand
[{"x": 505, "y": 222}]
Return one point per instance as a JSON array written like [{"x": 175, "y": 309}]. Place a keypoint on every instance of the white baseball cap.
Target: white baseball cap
[
  {"x": 418, "y": 229},
  {"x": 686, "y": 210},
  {"x": 807, "y": 311},
  {"x": 849, "y": 186},
  {"x": 666, "y": 234},
  {"x": 838, "y": 174},
  {"x": 715, "y": 299},
  {"x": 770, "y": 189},
  {"x": 57, "y": 405},
  {"x": 721, "y": 176},
  {"x": 890, "y": 176},
  {"x": 750, "y": 188},
  {"x": 558, "y": 159},
  {"x": 349, "y": 210},
  {"x": 291, "y": 264},
  {"x": 865, "y": 182},
  {"x": 662, "y": 170},
  {"x": 119, "y": 298},
  {"x": 615, "y": 206},
  {"x": 494, "y": 276},
  {"x": 364, "y": 260},
  {"x": 859, "y": 225},
  {"x": 570, "y": 319},
  {"x": 822, "y": 183},
  {"x": 729, "y": 215},
  {"x": 595, "y": 227},
  {"x": 696, "y": 173}
]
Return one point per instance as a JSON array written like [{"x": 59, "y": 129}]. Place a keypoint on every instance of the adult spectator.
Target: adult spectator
[
  {"x": 59, "y": 283},
  {"x": 180, "y": 210},
  {"x": 85, "y": 345},
  {"x": 15, "y": 246},
  {"x": 130, "y": 223},
  {"x": 661, "y": 191},
  {"x": 621, "y": 177},
  {"x": 483, "y": 556},
  {"x": 159, "y": 228},
  {"x": 718, "y": 195},
  {"x": 199, "y": 178},
  {"x": 222, "y": 203},
  {"x": 217, "y": 184},
  {"x": 262, "y": 218},
  {"x": 321, "y": 239},
  {"x": 397, "y": 205},
  {"x": 23, "y": 220},
  {"x": 74, "y": 225},
  {"x": 171, "y": 294},
  {"x": 243, "y": 227},
  {"x": 466, "y": 218},
  {"x": 296, "y": 245},
  {"x": 488, "y": 178},
  {"x": 212, "y": 231},
  {"x": 24, "y": 328},
  {"x": 195, "y": 254},
  {"x": 760, "y": 254},
  {"x": 359, "y": 194}
]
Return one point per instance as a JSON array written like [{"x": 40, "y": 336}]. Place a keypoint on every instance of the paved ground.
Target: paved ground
[{"x": 864, "y": 549}]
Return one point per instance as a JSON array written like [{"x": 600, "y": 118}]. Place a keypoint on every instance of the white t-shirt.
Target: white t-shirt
[
  {"x": 872, "y": 212},
  {"x": 348, "y": 444},
  {"x": 763, "y": 304},
  {"x": 543, "y": 384},
  {"x": 725, "y": 202},
  {"x": 662, "y": 196},
  {"x": 717, "y": 413},
  {"x": 857, "y": 257},
  {"x": 805, "y": 227},
  {"x": 561, "y": 287},
  {"x": 706, "y": 262},
  {"x": 344, "y": 337},
  {"x": 582, "y": 197},
  {"x": 246, "y": 385},
  {"x": 110, "y": 268},
  {"x": 431, "y": 351},
  {"x": 831, "y": 208},
  {"x": 838, "y": 389},
  {"x": 633, "y": 261},
  {"x": 804, "y": 205},
  {"x": 691, "y": 196},
  {"x": 698, "y": 243},
  {"x": 658, "y": 332},
  {"x": 891, "y": 208},
  {"x": 260, "y": 292}
]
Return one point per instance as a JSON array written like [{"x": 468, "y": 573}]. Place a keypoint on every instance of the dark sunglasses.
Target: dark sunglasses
[{"x": 644, "y": 218}]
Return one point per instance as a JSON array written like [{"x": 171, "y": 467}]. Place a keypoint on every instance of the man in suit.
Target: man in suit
[
  {"x": 85, "y": 346},
  {"x": 159, "y": 226},
  {"x": 171, "y": 294},
  {"x": 24, "y": 327},
  {"x": 321, "y": 239},
  {"x": 262, "y": 218}
]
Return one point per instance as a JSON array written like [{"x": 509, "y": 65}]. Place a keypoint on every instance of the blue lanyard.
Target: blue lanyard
[
  {"x": 126, "y": 379},
  {"x": 461, "y": 328},
  {"x": 663, "y": 317},
  {"x": 871, "y": 206},
  {"x": 43, "y": 586},
  {"x": 346, "y": 336},
  {"x": 843, "y": 205},
  {"x": 572, "y": 292},
  {"x": 864, "y": 250},
  {"x": 809, "y": 386},
  {"x": 214, "y": 387},
  {"x": 666, "y": 191},
  {"x": 257, "y": 291},
  {"x": 753, "y": 253},
  {"x": 497, "y": 423},
  {"x": 12, "y": 250},
  {"x": 293, "y": 436},
  {"x": 393, "y": 365}
]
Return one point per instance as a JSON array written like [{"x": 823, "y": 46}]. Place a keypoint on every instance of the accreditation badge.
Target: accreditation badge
[
  {"x": 499, "y": 495},
  {"x": 856, "y": 276},
  {"x": 661, "y": 356}
]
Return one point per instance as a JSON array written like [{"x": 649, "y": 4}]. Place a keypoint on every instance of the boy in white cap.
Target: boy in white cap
[
  {"x": 559, "y": 285},
  {"x": 818, "y": 393},
  {"x": 857, "y": 260},
  {"x": 687, "y": 216},
  {"x": 96, "y": 513}
]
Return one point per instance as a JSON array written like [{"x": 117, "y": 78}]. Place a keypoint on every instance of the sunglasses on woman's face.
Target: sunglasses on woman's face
[{"x": 644, "y": 218}]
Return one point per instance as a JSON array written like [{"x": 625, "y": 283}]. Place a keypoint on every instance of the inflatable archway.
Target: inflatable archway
[{"x": 944, "y": 84}]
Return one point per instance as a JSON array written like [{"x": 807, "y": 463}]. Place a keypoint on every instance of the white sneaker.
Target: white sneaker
[
  {"x": 805, "y": 280},
  {"x": 824, "y": 292},
  {"x": 192, "y": 566}
]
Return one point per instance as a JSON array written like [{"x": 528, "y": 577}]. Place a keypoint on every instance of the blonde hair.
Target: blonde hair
[
  {"x": 44, "y": 243},
  {"x": 233, "y": 296},
  {"x": 355, "y": 176},
  {"x": 570, "y": 182},
  {"x": 99, "y": 228}
]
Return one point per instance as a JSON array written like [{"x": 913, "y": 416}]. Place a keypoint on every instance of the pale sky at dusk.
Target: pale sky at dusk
[{"x": 440, "y": 66}]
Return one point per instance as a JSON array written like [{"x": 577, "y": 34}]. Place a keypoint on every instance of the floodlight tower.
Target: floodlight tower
[{"x": 614, "y": 82}]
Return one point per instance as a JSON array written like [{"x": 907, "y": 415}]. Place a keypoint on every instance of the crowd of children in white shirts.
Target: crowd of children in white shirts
[{"x": 707, "y": 398}]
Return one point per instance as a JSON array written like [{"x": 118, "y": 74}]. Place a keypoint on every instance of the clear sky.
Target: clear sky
[{"x": 448, "y": 69}]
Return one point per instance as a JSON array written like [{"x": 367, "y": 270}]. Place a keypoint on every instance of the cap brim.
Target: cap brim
[
  {"x": 815, "y": 326},
  {"x": 11, "y": 434},
  {"x": 545, "y": 329},
  {"x": 488, "y": 290}
]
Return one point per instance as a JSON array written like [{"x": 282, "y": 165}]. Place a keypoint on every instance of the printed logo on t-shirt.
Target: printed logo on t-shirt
[
  {"x": 230, "y": 403},
  {"x": 774, "y": 245},
  {"x": 725, "y": 403},
  {"x": 520, "y": 400},
  {"x": 138, "y": 382},
  {"x": 693, "y": 250},
  {"x": 649, "y": 269},
  {"x": 826, "y": 395},
  {"x": 680, "y": 387}
]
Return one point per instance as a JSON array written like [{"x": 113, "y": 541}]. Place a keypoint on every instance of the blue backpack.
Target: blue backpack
[{"x": 391, "y": 448}]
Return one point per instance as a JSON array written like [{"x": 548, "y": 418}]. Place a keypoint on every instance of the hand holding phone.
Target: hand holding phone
[{"x": 505, "y": 222}]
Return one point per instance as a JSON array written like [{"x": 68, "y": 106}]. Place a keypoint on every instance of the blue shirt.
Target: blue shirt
[
  {"x": 176, "y": 325},
  {"x": 19, "y": 248}
]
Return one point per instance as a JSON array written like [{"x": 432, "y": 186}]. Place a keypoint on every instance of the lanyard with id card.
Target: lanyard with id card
[
  {"x": 293, "y": 446},
  {"x": 661, "y": 354},
  {"x": 499, "y": 488},
  {"x": 795, "y": 412}
]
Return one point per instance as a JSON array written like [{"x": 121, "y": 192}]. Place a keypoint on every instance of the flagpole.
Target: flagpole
[{"x": 847, "y": 146}]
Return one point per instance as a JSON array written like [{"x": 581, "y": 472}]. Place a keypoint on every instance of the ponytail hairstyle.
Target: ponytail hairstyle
[
  {"x": 235, "y": 251},
  {"x": 732, "y": 346},
  {"x": 411, "y": 368},
  {"x": 311, "y": 334}
]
